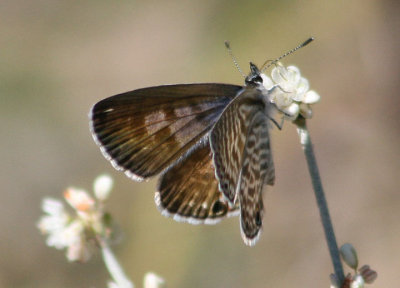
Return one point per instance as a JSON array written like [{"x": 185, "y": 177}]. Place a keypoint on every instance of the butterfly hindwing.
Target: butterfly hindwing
[
  {"x": 144, "y": 131},
  {"x": 242, "y": 158},
  {"x": 257, "y": 170},
  {"x": 228, "y": 139},
  {"x": 188, "y": 191}
]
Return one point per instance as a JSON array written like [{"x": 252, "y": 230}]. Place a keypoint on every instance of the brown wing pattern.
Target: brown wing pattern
[
  {"x": 144, "y": 131},
  {"x": 228, "y": 138},
  {"x": 242, "y": 158},
  {"x": 188, "y": 191},
  {"x": 257, "y": 170}
]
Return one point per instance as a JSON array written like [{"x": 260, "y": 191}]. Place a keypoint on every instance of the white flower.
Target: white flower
[
  {"x": 102, "y": 187},
  {"x": 73, "y": 232},
  {"x": 54, "y": 222},
  {"x": 358, "y": 282},
  {"x": 81, "y": 231},
  {"x": 152, "y": 280},
  {"x": 79, "y": 199},
  {"x": 79, "y": 251},
  {"x": 62, "y": 233},
  {"x": 291, "y": 93}
]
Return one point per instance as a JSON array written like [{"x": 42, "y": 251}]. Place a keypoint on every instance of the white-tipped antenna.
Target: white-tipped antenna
[
  {"x": 272, "y": 62},
  {"x": 228, "y": 46}
]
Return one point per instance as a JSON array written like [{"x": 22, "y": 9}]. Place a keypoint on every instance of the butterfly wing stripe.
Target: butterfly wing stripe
[
  {"x": 152, "y": 155},
  {"x": 111, "y": 126},
  {"x": 111, "y": 130}
]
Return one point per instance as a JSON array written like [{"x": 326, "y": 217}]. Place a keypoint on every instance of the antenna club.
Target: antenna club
[
  {"x": 265, "y": 66},
  {"x": 308, "y": 41}
]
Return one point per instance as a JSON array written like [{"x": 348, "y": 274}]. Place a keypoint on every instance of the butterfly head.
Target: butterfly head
[{"x": 254, "y": 77}]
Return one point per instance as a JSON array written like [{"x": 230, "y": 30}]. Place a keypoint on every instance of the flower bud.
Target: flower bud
[
  {"x": 349, "y": 255},
  {"x": 368, "y": 274},
  {"x": 102, "y": 187}
]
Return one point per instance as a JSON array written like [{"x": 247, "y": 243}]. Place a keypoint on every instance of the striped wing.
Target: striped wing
[
  {"x": 242, "y": 158},
  {"x": 256, "y": 171},
  {"x": 188, "y": 191},
  {"x": 144, "y": 131}
]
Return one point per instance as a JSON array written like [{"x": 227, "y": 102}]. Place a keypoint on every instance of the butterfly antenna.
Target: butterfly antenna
[
  {"x": 228, "y": 46},
  {"x": 273, "y": 62}
]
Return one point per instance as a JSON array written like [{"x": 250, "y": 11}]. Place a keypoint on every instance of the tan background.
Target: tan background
[{"x": 60, "y": 57}]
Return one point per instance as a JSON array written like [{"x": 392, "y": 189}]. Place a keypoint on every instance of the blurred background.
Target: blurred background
[{"x": 60, "y": 57}]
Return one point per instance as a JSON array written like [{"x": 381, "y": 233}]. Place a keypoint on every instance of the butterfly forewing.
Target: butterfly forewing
[
  {"x": 144, "y": 131},
  {"x": 188, "y": 191},
  {"x": 242, "y": 159}
]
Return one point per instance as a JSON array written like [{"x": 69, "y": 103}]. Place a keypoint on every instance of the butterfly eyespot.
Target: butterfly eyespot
[
  {"x": 218, "y": 208},
  {"x": 258, "y": 219}
]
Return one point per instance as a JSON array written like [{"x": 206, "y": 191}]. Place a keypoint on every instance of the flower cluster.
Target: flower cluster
[
  {"x": 86, "y": 229},
  {"x": 362, "y": 276},
  {"x": 78, "y": 232},
  {"x": 291, "y": 94}
]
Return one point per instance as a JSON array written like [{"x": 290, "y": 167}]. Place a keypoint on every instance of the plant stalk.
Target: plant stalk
[
  {"x": 114, "y": 268},
  {"x": 320, "y": 197}
]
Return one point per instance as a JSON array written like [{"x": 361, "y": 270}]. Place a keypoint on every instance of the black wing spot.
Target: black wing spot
[
  {"x": 258, "y": 219},
  {"x": 218, "y": 208}
]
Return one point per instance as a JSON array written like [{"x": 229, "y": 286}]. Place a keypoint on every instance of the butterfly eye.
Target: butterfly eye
[{"x": 258, "y": 79}]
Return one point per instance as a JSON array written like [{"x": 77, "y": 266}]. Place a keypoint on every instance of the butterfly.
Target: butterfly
[{"x": 208, "y": 142}]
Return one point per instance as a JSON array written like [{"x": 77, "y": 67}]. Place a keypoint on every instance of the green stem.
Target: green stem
[{"x": 320, "y": 196}]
